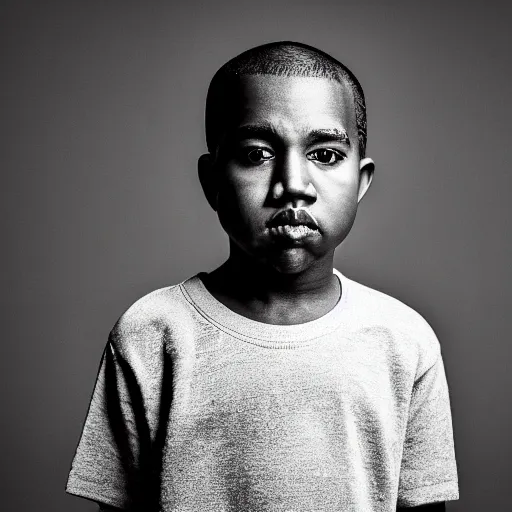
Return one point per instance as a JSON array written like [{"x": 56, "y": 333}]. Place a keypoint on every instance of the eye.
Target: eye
[
  {"x": 326, "y": 156},
  {"x": 259, "y": 155}
]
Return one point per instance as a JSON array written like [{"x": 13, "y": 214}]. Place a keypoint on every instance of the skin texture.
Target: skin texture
[{"x": 293, "y": 145}]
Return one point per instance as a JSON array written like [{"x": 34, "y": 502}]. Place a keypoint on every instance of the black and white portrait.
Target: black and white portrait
[{"x": 256, "y": 256}]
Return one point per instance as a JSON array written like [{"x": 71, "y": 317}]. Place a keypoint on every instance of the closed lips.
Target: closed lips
[{"x": 293, "y": 217}]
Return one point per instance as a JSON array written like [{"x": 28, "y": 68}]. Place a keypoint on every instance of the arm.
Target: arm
[
  {"x": 107, "y": 464},
  {"x": 431, "y": 507},
  {"x": 428, "y": 472}
]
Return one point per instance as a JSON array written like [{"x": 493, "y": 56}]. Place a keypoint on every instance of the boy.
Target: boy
[{"x": 273, "y": 383}]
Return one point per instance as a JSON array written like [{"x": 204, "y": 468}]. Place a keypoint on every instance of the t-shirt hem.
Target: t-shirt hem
[
  {"x": 78, "y": 488},
  {"x": 414, "y": 497}
]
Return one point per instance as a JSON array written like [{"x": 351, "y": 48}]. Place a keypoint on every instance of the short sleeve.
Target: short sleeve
[
  {"x": 109, "y": 463},
  {"x": 428, "y": 471}
]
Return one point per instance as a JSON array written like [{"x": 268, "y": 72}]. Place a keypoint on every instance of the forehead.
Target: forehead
[{"x": 291, "y": 102}]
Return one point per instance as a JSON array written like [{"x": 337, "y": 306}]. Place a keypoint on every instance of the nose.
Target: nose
[{"x": 293, "y": 181}]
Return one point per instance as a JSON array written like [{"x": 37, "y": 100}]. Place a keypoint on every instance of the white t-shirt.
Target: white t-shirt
[{"x": 197, "y": 408}]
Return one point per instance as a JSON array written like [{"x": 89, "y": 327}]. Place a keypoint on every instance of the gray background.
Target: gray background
[{"x": 101, "y": 125}]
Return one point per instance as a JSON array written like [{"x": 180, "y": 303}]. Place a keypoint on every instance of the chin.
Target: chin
[{"x": 291, "y": 261}]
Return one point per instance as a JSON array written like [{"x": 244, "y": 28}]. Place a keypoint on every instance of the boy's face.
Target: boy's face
[{"x": 287, "y": 177}]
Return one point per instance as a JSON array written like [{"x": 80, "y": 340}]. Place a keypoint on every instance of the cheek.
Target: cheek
[
  {"x": 340, "y": 204},
  {"x": 229, "y": 208},
  {"x": 239, "y": 205}
]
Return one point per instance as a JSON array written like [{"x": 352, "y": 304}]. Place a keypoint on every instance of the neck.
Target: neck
[{"x": 262, "y": 293}]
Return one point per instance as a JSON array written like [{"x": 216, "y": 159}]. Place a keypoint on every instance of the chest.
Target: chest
[{"x": 257, "y": 388}]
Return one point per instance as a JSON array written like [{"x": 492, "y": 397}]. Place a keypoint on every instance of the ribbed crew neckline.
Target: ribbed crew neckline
[{"x": 259, "y": 333}]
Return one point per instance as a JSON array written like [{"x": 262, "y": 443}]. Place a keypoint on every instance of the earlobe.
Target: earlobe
[
  {"x": 207, "y": 178},
  {"x": 366, "y": 171}
]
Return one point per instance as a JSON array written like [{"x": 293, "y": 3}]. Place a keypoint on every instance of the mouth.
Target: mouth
[
  {"x": 294, "y": 233},
  {"x": 293, "y": 217},
  {"x": 293, "y": 224}
]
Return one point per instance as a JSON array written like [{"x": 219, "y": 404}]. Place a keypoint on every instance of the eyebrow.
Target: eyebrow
[
  {"x": 266, "y": 131},
  {"x": 256, "y": 131},
  {"x": 328, "y": 135}
]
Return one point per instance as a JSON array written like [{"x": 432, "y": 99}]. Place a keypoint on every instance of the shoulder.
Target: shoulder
[
  {"x": 152, "y": 320},
  {"x": 409, "y": 332}
]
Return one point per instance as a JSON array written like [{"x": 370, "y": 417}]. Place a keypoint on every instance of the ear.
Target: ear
[
  {"x": 366, "y": 170},
  {"x": 208, "y": 179}
]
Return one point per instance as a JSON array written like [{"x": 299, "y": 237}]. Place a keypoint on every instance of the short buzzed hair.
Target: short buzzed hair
[{"x": 283, "y": 58}]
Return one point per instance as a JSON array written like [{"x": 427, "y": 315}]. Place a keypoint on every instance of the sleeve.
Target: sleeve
[
  {"x": 111, "y": 458},
  {"x": 428, "y": 471}
]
